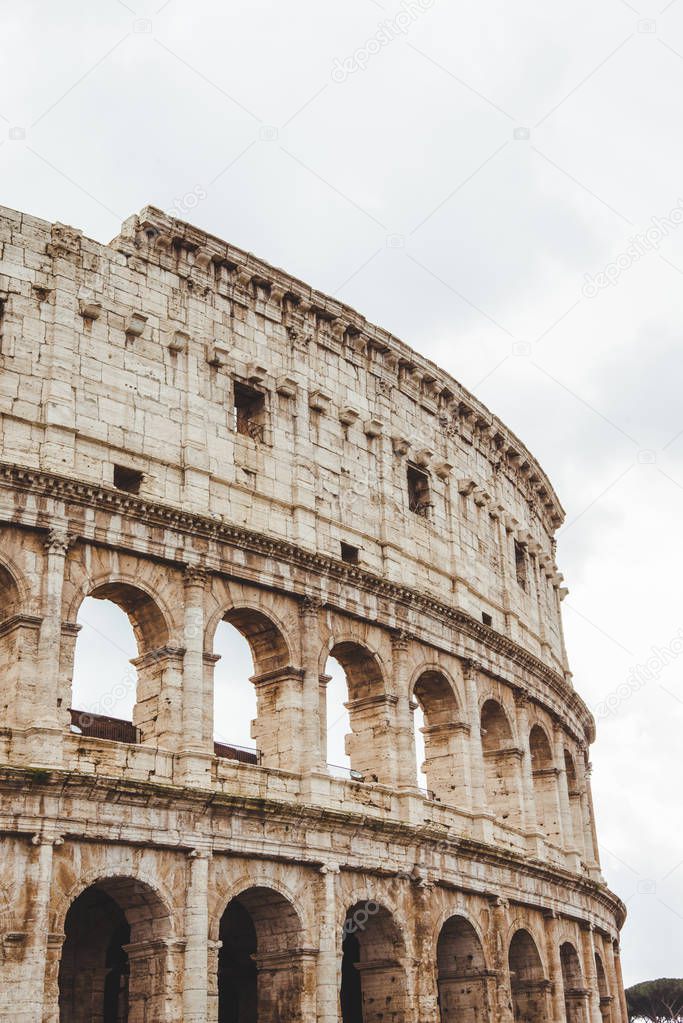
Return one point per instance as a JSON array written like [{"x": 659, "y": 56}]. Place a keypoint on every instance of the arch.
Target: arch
[
  {"x": 265, "y": 633},
  {"x": 546, "y": 791},
  {"x": 575, "y": 995},
  {"x": 369, "y": 745},
  {"x": 445, "y": 751},
  {"x": 603, "y": 989},
  {"x": 156, "y": 702},
  {"x": 373, "y": 983},
  {"x": 528, "y": 984},
  {"x": 14, "y": 594},
  {"x": 502, "y": 770},
  {"x": 113, "y": 962},
  {"x": 495, "y": 727},
  {"x": 461, "y": 972},
  {"x": 149, "y": 615},
  {"x": 260, "y": 963}
]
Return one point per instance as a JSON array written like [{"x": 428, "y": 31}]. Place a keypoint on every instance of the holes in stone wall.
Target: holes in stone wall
[
  {"x": 419, "y": 492},
  {"x": 486, "y": 619},
  {"x": 127, "y": 479},
  {"x": 349, "y": 553},
  {"x": 521, "y": 566},
  {"x": 248, "y": 411}
]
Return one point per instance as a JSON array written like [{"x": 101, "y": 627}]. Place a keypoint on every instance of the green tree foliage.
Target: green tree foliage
[{"x": 656, "y": 1001}]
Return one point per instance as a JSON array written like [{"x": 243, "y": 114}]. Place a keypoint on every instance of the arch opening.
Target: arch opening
[
  {"x": 546, "y": 794},
  {"x": 502, "y": 780},
  {"x": 260, "y": 964},
  {"x": 252, "y": 672},
  {"x": 439, "y": 738},
  {"x": 373, "y": 987},
  {"x": 113, "y": 962},
  {"x": 356, "y": 673},
  {"x": 603, "y": 990},
  {"x": 528, "y": 984},
  {"x": 461, "y": 973},
  {"x": 575, "y": 995},
  {"x": 119, "y": 665}
]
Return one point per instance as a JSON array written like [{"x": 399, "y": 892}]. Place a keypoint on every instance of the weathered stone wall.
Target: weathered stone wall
[{"x": 269, "y": 425}]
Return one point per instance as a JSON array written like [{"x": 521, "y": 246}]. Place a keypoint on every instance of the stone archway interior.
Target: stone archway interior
[
  {"x": 260, "y": 968},
  {"x": 113, "y": 959},
  {"x": 572, "y": 982},
  {"x": 372, "y": 948},
  {"x": 461, "y": 973},
  {"x": 527, "y": 982}
]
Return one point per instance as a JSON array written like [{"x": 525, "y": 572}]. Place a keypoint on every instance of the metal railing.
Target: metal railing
[
  {"x": 347, "y": 772},
  {"x": 242, "y": 754},
  {"x": 98, "y": 726}
]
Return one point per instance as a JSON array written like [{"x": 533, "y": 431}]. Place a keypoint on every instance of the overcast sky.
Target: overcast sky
[{"x": 482, "y": 182}]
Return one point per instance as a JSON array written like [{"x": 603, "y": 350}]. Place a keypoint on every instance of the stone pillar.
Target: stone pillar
[
  {"x": 313, "y": 754},
  {"x": 278, "y": 729},
  {"x": 619, "y": 994},
  {"x": 328, "y": 980},
  {"x": 30, "y": 997},
  {"x": 502, "y": 1001},
  {"x": 370, "y": 745},
  {"x": 555, "y": 967},
  {"x": 193, "y": 660},
  {"x": 213, "y": 952},
  {"x": 406, "y": 767},
  {"x": 527, "y": 794},
  {"x": 159, "y": 706},
  {"x": 46, "y": 722},
  {"x": 195, "y": 973},
  {"x": 568, "y": 842},
  {"x": 195, "y": 742},
  {"x": 590, "y": 973},
  {"x": 477, "y": 798},
  {"x": 589, "y": 836}
]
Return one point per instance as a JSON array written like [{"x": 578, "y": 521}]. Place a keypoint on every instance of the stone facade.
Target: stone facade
[{"x": 199, "y": 437}]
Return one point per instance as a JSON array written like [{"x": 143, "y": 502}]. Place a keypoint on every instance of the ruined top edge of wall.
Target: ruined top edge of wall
[{"x": 150, "y": 235}]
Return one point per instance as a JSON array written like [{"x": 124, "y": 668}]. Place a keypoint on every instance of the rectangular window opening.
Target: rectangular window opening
[
  {"x": 350, "y": 554},
  {"x": 419, "y": 495},
  {"x": 248, "y": 411},
  {"x": 127, "y": 479},
  {"x": 486, "y": 618},
  {"x": 521, "y": 564}
]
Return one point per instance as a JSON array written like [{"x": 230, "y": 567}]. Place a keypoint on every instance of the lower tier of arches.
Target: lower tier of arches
[{"x": 119, "y": 933}]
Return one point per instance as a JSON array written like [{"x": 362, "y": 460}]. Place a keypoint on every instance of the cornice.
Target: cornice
[
  {"x": 117, "y": 502},
  {"x": 199, "y": 802}
]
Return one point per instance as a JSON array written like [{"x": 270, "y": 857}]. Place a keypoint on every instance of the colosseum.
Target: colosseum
[{"x": 200, "y": 438}]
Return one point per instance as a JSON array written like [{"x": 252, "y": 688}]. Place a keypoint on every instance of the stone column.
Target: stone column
[
  {"x": 502, "y": 1004},
  {"x": 592, "y": 832},
  {"x": 527, "y": 794},
  {"x": 329, "y": 943},
  {"x": 46, "y": 723},
  {"x": 589, "y": 836},
  {"x": 313, "y": 756},
  {"x": 278, "y": 729},
  {"x": 196, "y": 747},
  {"x": 568, "y": 842},
  {"x": 195, "y": 974},
  {"x": 29, "y": 1001},
  {"x": 193, "y": 660},
  {"x": 406, "y": 767},
  {"x": 555, "y": 967},
  {"x": 619, "y": 994},
  {"x": 590, "y": 973},
  {"x": 478, "y": 802}
]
